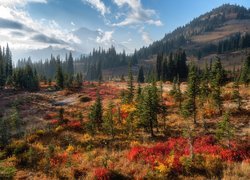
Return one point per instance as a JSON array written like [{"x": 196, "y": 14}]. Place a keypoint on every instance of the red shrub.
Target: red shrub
[
  {"x": 179, "y": 147},
  {"x": 54, "y": 121},
  {"x": 59, "y": 159},
  {"x": 102, "y": 173}
]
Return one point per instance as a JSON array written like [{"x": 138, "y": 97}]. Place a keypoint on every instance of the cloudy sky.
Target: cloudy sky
[{"x": 82, "y": 25}]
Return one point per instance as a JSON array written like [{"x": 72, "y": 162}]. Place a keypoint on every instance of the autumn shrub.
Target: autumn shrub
[
  {"x": 17, "y": 147},
  {"x": 208, "y": 156},
  {"x": 7, "y": 172},
  {"x": 84, "y": 99},
  {"x": 102, "y": 173}
]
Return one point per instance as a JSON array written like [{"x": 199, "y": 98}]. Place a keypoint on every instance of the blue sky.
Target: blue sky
[{"x": 128, "y": 24}]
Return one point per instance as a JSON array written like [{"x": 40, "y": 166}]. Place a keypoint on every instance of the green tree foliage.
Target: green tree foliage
[
  {"x": 59, "y": 75},
  {"x": 216, "y": 83},
  {"x": 6, "y": 69},
  {"x": 109, "y": 124},
  {"x": 140, "y": 78},
  {"x": 25, "y": 78},
  {"x": 204, "y": 84},
  {"x": 236, "y": 94},
  {"x": 5, "y": 133},
  {"x": 245, "y": 72},
  {"x": 70, "y": 64},
  {"x": 190, "y": 104},
  {"x": 172, "y": 66},
  {"x": 96, "y": 112},
  {"x": 225, "y": 130},
  {"x": 148, "y": 107},
  {"x": 130, "y": 94}
]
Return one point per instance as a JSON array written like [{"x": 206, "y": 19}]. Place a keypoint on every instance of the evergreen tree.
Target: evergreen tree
[
  {"x": 59, "y": 76},
  {"x": 190, "y": 105},
  {"x": 225, "y": 129},
  {"x": 5, "y": 134},
  {"x": 130, "y": 95},
  {"x": 236, "y": 94},
  {"x": 178, "y": 94},
  {"x": 140, "y": 78},
  {"x": 109, "y": 124},
  {"x": 159, "y": 66},
  {"x": 245, "y": 73},
  {"x": 217, "y": 79},
  {"x": 96, "y": 110},
  {"x": 70, "y": 67},
  {"x": 148, "y": 108}
]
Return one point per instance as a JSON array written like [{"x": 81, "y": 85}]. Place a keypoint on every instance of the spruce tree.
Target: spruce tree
[
  {"x": 130, "y": 95},
  {"x": 96, "y": 111},
  {"x": 236, "y": 94},
  {"x": 70, "y": 67},
  {"x": 216, "y": 83},
  {"x": 109, "y": 124},
  {"x": 140, "y": 78},
  {"x": 225, "y": 130},
  {"x": 190, "y": 105},
  {"x": 245, "y": 72},
  {"x": 59, "y": 76}
]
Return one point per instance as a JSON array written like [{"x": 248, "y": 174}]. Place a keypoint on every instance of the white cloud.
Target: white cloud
[
  {"x": 104, "y": 37},
  {"x": 137, "y": 14},
  {"x": 145, "y": 36},
  {"x": 14, "y": 3},
  {"x": 98, "y": 5},
  {"x": 156, "y": 23},
  {"x": 72, "y": 23},
  {"x": 27, "y": 33}
]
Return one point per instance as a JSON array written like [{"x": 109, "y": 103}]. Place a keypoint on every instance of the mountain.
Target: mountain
[
  {"x": 42, "y": 54},
  {"x": 89, "y": 39},
  {"x": 223, "y": 29}
]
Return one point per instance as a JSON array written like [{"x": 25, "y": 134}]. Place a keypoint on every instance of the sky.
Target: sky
[{"x": 81, "y": 25}]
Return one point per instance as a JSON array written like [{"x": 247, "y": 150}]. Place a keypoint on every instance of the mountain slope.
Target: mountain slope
[{"x": 204, "y": 34}]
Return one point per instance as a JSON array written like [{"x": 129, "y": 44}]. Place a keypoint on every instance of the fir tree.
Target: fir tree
[
  {"x": 140, "y": 78},
  {"x": 59, "y": 76},
  {"x": 96, "y": 111},
  {"x": 109, "y": 125},
  {"x": 245, "y": 72},
  {"x": 217, "y": 79},
  {"x": 225, "y": 129},
  {"x": 190, "y": 106},
  {"x": 236, "y": 94},
  {"x": 130, "y": 95}
]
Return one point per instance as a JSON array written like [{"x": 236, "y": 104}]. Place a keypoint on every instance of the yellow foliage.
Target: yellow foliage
[
  {"x": 59, "y": 129},
  {"x": 128, "y": 108},
  {"x": 70, "y": 149},
  {"x": 40, "y": 132},
  {"x": 166, "y": 167},
  {"x": 134, "y": 143}
]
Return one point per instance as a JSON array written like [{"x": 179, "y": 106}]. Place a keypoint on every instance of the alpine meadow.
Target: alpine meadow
[{"x": 116, "y": 89}]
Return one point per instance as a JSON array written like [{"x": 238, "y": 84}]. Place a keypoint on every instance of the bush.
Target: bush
[
  {"x": 7, "y": 172},
  {"x": 84, "y": 99}
]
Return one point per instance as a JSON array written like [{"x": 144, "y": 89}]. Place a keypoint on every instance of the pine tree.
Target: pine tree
[
  {"x": 70, "y": 65},
  {"x": 190, "y": 105},
  {"x": 109, "y": 124},
  {"x": 178, "y": 94},
  {"x": 216, "y": 83},
  {"x": 96, "y": 111},
  {"x": 159, "y": 66},
  {"x": 148, "y": 108},
  {"x": 4, "y": 132},
  {"x": 245, "y": 73},
  {"x": 59, "y": 76},
  {"x": 236, "y": 94},
  {"x": 225, "y": 129},
  {"x": 130, "y": 95},
  {"x": 140, "y": 78}
]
